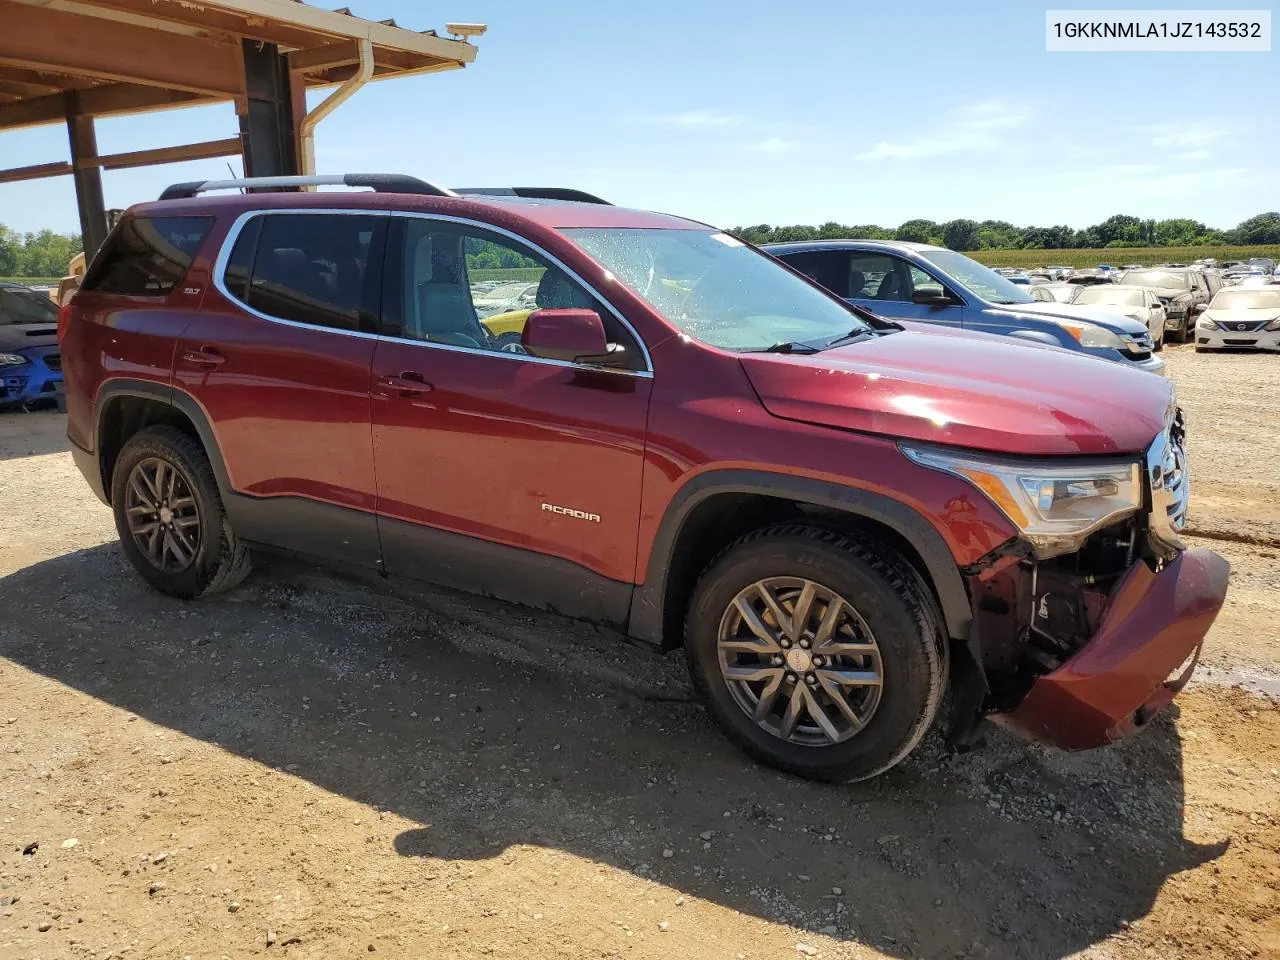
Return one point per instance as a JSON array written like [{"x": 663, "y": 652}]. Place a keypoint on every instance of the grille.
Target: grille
[
  {"x": 1238, "y": 343},
  {"x": 53, "y": 361},
  {"x": 1242, "y": 326},
  {"x": 1170, "y": 484}
]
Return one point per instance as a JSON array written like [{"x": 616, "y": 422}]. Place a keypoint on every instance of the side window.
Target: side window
[
  {"x": 147, "y": 256},
  {"x": 319, "y": 269},
  {"x": 877, "y": 276},
  {"x": 920, "y": 280},
  {"x": 466, "y": 287},
  {"x": 830, "y": 268}
]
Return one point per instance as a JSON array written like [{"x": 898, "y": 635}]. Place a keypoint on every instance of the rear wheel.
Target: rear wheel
[
  {"x": 170, "y": 518},
  {"x": 816, "y": 652}
]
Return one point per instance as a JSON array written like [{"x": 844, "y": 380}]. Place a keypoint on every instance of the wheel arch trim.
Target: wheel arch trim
[
  {"x": 647, "y": 610},
  {"x": 170, "y": 396}
]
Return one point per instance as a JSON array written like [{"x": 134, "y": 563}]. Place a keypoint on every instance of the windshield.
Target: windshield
[
  {"x": 1246, "y": 300},
  {"x": 25, "y": 306},
  {"x": 1110, "y": 296},
  {"x": 718, "y": 290},
  {"x": 976, "y": 278},
  {"x": 1157, "y": 278}
]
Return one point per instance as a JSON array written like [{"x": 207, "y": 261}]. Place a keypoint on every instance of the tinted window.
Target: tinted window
[
  {"x": 312, "y": 268},
  {"x": 466, "y": 287},
  {"x": 20, "y": 306},
  {"x": 240, "y": 264},
  {"x": 830, "y": 268},
  {"x": 876, "y": 276},
  {"x": 147, "y": 256}
]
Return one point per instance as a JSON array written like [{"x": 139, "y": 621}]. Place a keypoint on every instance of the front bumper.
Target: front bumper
[
  {"x": 1174, "y": 321},
  {"x": 1151, "y": 364},
  {"x": 1141, "y": 655},
  {"x": 33, "y": 380},
  {"x": 1219, "y": 339}
]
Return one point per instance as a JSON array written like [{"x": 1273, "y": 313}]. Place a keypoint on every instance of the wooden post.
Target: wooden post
[{"x": 87, "y": 174}]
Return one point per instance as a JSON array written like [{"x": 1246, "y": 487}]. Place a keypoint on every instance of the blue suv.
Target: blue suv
[
  {"x": 30, "y": 364},
  {"x": 917, "y": 281}
]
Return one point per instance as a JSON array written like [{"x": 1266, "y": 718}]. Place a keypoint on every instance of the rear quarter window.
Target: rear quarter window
[{"x": 147, "y": 256}]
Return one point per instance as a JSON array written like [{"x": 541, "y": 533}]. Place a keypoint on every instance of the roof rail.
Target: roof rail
[
  {"x": 533, "y": 193},
  {"x": 378, "y": 182}
]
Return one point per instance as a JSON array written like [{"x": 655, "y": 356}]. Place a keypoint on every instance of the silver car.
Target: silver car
[
  {"x": 1241, "y": 319},
  {"x": 1138, "y": 303}
]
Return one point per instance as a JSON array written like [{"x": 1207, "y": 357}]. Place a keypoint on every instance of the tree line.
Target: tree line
[
  {"x": 43, "y": 254},
  {"x": 1118, "y": 231}
]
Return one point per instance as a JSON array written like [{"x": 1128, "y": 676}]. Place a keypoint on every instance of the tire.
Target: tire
[
  {"x": 218, "y": 561},
  {"x": 508, "y": 338},
  {"x": 1160, "y": 343},
  {"x": 889, "y": 600}
]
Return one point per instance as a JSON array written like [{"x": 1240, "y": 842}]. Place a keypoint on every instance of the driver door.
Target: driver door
[
  {"x": 884, "y": 284},
  {"x": 499, "y": 472}
]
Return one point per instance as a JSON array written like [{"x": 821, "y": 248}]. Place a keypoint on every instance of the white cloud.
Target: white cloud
[
  {"x": 1196, "y": 135},
  {"x": 700, "y": 118},
  {"x": 773, "y": 145},
  {"x": 978, "y": 127}
]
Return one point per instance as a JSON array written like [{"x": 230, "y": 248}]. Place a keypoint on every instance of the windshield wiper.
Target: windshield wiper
[{"x": 785, "y": 346}]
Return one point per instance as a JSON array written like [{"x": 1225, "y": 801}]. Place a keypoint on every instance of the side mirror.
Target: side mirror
[
  {"x": 931, "y": 297},
  {"x": 571, "y": 335},
  {"x": 1200, "y": 308}
]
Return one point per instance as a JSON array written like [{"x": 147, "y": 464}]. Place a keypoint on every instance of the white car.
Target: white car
[
  {"x": 1241, "y": 318},
  {"x": 1137, "y": 303}
]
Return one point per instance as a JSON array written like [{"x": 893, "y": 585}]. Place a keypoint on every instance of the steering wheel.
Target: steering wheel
[{"x": 455, "y": 339}]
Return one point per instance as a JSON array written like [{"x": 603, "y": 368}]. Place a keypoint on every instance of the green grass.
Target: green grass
[
  {"x": 1117, "y": 256},
  {"x": 32, "y": 281}
]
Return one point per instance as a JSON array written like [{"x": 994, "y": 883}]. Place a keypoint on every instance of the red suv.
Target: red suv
[{"x": 838, "y": 518}]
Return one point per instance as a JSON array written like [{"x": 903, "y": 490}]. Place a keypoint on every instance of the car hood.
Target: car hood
[
  {"x": 967, "y": 390},
  {"x": 1112, "y": 320},
  {"x": 1170, "y": 293},
  {"x": 21, "y": 335}
]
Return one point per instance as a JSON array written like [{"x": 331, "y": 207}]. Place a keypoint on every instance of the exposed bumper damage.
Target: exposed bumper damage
[{"x": 1142, "y": 653}]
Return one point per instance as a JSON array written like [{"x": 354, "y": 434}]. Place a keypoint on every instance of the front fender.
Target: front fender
[{"x": 647, "y": 609}]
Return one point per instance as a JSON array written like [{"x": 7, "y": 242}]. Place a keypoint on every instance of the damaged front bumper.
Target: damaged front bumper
[{"x": 1140, "y": 655}]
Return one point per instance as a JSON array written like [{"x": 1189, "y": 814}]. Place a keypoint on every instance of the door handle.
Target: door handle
[
  {"x": 410, "y": 383},
  {"x": 205, "y": 357}
]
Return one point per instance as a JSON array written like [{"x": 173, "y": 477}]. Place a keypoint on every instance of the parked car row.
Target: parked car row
[{"x": 838, "y": 512}]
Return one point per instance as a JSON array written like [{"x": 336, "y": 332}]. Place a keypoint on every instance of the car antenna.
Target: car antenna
[{"x": 232, "y": 170}]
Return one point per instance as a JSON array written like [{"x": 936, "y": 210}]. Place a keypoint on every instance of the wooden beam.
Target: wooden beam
[
  {"x": 188, "y": 151},
  {"x": 43, "y": 82},
  {"x": 102, "y": 101},
  {"x": 54, "y": 40},
  {"x": 293, "y": 25},
  {"x": 345, "y": 53},
  {"x": 36, "y": 171}
]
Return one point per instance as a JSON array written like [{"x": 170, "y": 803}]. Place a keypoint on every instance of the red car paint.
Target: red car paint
[{"x": 474, "y": 445}]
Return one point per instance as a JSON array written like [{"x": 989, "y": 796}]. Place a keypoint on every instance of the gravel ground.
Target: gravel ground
[{"x": 315, "y": 766}]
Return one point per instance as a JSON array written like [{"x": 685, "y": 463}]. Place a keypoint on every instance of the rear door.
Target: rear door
[
  {"x": 499, "y": 472},
  {"x": 279, "y": 359}
]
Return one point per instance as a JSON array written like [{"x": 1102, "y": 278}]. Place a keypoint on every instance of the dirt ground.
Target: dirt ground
[{"x": 313, "y": 766}]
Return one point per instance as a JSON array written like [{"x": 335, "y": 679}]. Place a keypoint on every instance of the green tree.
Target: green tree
[
  {"x": 1119, "y": 227},
  {"x": 960, "y": 235},
  {"x": 11, "y": 254},
  {"x": 1264, "y": 228},
  {"x": 919, "y": 231}
]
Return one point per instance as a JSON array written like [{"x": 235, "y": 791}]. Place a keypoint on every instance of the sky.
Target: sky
[{"x": 739, "y": 112}]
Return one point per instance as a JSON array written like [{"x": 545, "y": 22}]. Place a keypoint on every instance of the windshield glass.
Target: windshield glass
[
  {"x": 976, "y": 278},
  {"x": 1246, "y": 300},
  {"x": 1157, "y": 278},
  {"x": 1111, "y": 296},
  {"x": 25, "y": 306},
  {"x": 716, "y": 289}
]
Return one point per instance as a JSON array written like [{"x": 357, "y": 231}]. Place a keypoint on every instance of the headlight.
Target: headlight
[
  {"x": 1054, "y": 506},
  {"x": 1204, "y": 323},
  {"x": 1089, "y": 334},
  {"x": 1274, "y": 325},
  {"x": 12, "y": 360}
]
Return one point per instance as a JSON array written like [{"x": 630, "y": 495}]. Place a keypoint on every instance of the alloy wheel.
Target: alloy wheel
[
  {"x": 800, "y": 661},
  {"x": 164, "y": 518}
]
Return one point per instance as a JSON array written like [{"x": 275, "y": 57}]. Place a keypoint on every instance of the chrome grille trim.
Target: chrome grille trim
[{"x": 1170, "y": 484}]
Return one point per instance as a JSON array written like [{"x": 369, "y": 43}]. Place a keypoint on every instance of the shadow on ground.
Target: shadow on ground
[{"x": 501, "y": 727}]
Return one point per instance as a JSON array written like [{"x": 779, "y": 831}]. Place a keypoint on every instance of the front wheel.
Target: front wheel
[
  {"x": 817, "y": 652},
  {"x": 170, "y": 518}
]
